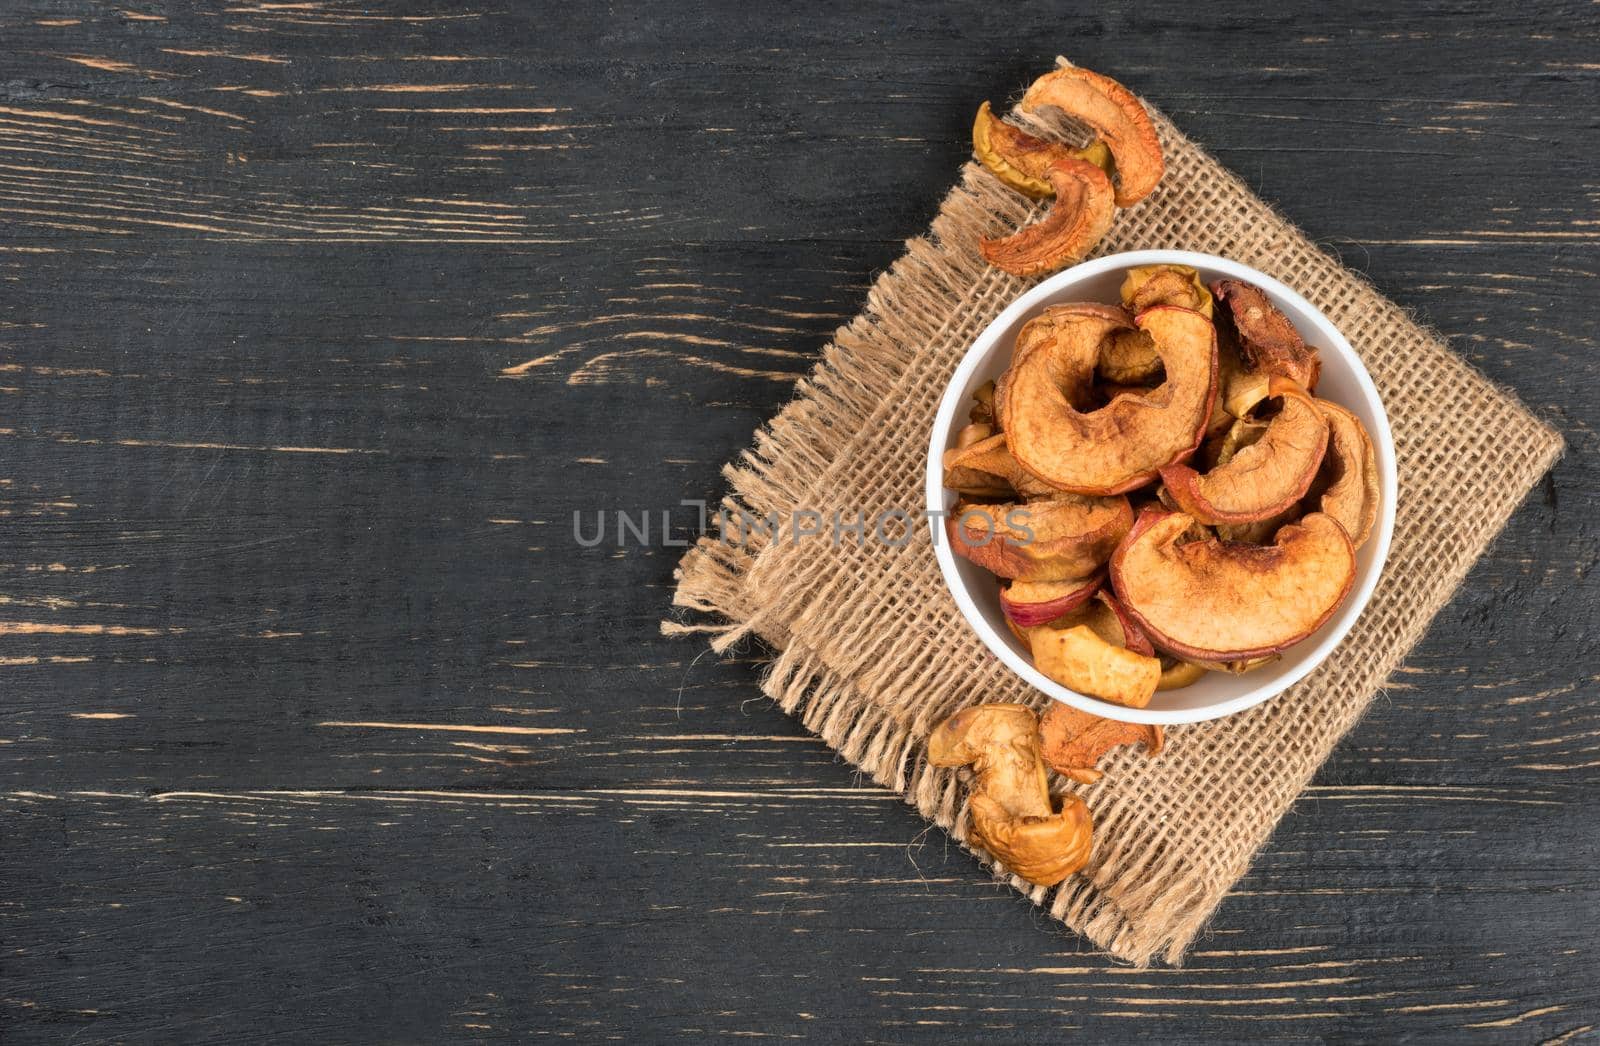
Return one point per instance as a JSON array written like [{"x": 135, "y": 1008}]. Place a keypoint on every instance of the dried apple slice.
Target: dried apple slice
[
  {"x": 1146, "y": 286},
  {"x": 1071, "y": 339},
  {"x": 1104, "y": 615},
  {"x": 1032, "y": 603},
  {"x": 1264, "y": 478},
  {"x": 988, "y": 469},
  {"x": 1117, "y": 118},
  {"x": 1010, "y": 811},
  {"x": 1123, "y": 445},
  {"x": 1078, "y": 658},
  {"x": 1240, "y": 667},
  {"x": 1024, "y": 635},
  {"x": 1267, "y": 340},
  {"x": 1020, "y": 159},
  {"x": 982, "y": 412},
  {"x": 1060, "y": 539},
  {"x": 972, "y": 434},
  {"x": 1244, "y": 391},
  {"x": 1350, "y": 472},
  {"x": 1111, "y": 620},
  {"x": 1175, "y": 674},
  {"x": 1080, "y": 216},
  {"x": 1231, "y": 377},
  {"x": 1086, "y": 667},
  {"x": 1262, "y": 531},
  {"x": 1072, "y": 741},
  {"x": 1210, "y": 600},
  {"x": 1130, "y": 358},
  {"x": 1242, "y": 433}
]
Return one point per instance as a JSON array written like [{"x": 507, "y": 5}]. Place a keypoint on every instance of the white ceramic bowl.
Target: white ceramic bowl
[{"x": 1344, "y": 380}]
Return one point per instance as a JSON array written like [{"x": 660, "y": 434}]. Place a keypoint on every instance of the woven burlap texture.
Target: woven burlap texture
[{"x": 872, "y": 652}]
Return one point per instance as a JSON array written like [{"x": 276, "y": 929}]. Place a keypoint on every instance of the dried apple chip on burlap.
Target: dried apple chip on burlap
[{"x": 1072, "y": 742}]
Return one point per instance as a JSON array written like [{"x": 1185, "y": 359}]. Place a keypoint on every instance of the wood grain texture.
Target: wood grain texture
[{"x": 318, "y": 323}]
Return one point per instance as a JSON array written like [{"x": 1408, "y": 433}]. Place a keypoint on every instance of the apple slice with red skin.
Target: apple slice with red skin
[
  {"x": 1127, "y": 630},
  {"x": 1060, "y": 539},
  {"x": 1117, "y": 117},
  {"x": 1072, "y": 741},
  {"x": 1268, "y": 342},
  {"x": 1210, "y": 600},
  {"x": 1105, "y": 615},
  {"x": 1071, "y": 337},
  {"x": 1123, "y": 445},
  {"x": 1077, "y": 221},
  {"x": 987, "y": 468},
  {"x": 1351, "y": 472},
  {"x": 1264, "y": 478},
  {"x": 1020, "y": 159},
  {"x": 1031, "y": 603}
]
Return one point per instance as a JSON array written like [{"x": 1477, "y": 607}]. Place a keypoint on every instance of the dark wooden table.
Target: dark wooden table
[{"x": 319, "y": 322}]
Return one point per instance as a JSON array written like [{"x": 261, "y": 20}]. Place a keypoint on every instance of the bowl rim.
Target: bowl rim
[{"x": 1051, "y": 289}]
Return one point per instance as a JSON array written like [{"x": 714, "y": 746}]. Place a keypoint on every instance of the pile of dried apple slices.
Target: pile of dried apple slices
[
  {"x": 1159, "y": 488},
  {"x": 1120, "y": 166}
]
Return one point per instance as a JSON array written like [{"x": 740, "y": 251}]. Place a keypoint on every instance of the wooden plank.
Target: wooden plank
[
  {"x": 320, "y": 321},
  {"x": 817, "y": 909}
]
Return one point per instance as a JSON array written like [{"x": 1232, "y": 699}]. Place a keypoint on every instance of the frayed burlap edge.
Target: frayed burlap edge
[{"x": 1142, "y": 896}]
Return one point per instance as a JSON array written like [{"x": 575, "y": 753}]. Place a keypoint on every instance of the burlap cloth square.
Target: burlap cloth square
[{"x": 871, "y": 651}]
